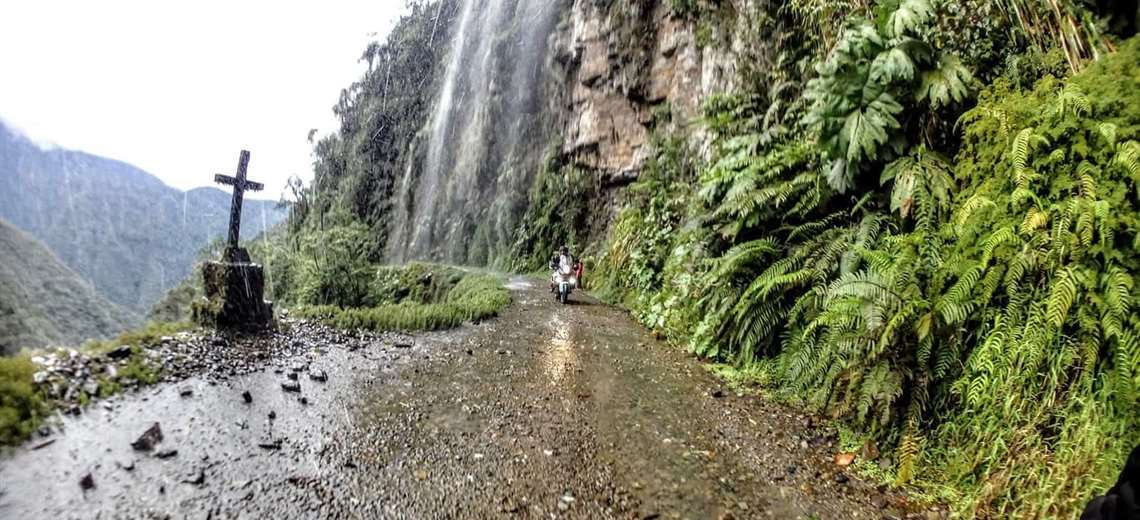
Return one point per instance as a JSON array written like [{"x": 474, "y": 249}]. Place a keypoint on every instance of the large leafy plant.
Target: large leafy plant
[{"x": 873, "y": 75}]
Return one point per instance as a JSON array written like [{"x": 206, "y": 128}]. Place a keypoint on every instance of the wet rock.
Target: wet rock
[
  {"x": 196, "y": 478},
  {"x": 167, "y": 453},
  {"x": 43, "y": 444},
  {"x": 270, "y": 444},
  {"x": 565, "y": 501},
  {"x": 291, "y": 386},
  {"x": 148, "y": 439},
  {"x": 87, "y": 482},
  {"x": 121, "y": 352},
  {"x": 319, "y": 376},
  {"x": 844, "y": 459},
  {"x": 247, "y": 397}
]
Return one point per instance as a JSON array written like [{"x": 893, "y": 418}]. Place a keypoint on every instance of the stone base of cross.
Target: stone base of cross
[
  {"x": 234, "y": 286},
  {"x": 234, "y": 297}
]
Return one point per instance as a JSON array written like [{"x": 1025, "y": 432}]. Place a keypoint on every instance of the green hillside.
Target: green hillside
[{"x": 43, "y": 302}]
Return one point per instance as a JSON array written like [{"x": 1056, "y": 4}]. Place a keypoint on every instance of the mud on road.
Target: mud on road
[{"x": 549, "y": 411}]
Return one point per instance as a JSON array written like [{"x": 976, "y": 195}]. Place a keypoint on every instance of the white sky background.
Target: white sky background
[{"x": 178, "y": 88}]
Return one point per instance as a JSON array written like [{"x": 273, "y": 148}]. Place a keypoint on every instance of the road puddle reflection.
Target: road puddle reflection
[
  {"x": 560, "y": 356},
  {"x": 518, "y": 283}
]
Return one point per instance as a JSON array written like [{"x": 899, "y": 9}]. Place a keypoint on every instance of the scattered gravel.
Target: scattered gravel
[
  {"x": 217, "y": 356},
  {"x": 584, "y": 415}
]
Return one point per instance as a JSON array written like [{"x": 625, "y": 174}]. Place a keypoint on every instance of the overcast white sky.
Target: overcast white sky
[{"x": 178, "y": 88}]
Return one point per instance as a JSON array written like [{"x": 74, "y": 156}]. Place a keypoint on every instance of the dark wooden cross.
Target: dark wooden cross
[{"x": 240, "y": 185}]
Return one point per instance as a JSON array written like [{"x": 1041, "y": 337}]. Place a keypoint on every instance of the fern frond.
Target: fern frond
[{"x": 1062, "y": 295}]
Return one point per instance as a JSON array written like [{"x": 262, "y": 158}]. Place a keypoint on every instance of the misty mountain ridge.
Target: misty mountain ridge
[
  {"x": 119, "y": 227},
  {"x": 43, "y": 302}
]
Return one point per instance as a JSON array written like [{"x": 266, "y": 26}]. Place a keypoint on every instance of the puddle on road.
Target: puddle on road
[
  {"x": 519, "y": 283},
  {"x": 559, "y": 356}
]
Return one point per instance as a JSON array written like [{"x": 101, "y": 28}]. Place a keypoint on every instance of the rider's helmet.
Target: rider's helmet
[{"x": 563, "y": 250}]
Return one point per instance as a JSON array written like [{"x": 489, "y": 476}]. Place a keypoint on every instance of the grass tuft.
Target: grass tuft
[
  {"x": 22, "y": 406},
  {"x": 474, "y": 297}
]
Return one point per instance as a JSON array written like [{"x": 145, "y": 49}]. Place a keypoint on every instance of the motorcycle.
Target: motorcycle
[{"x": 563, "y": 282}]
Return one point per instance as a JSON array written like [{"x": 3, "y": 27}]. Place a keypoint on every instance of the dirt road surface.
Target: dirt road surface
[{"x": 549, "y": 411}]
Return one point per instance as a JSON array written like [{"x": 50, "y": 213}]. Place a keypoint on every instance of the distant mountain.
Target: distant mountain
[
  {"x": 43, "y": 302},
  {"x": 121, "y": 228}
]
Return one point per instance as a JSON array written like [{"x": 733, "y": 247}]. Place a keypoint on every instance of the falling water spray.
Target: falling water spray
[{"x": 476, "y": 134}]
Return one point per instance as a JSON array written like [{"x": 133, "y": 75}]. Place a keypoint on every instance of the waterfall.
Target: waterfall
[{"x": 483, "y": 141}]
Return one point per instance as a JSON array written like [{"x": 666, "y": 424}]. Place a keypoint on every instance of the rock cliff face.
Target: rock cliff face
[
  {"x": 521, "y": 89},
  {"x": 622, "y": 62}
]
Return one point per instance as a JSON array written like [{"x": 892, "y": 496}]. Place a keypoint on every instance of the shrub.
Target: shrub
[
  {"x": 335, "y": 266},
  {"x": 412, "y": 283},
  {"x": 473, "y": 298},
  {"x": 22, "y": 406}
]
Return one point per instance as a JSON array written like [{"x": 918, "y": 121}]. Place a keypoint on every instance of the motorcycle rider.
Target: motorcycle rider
[{"x": 561, "y": 262}]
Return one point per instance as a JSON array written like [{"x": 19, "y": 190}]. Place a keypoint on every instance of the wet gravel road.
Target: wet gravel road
[{"x": 549, "y": 411}]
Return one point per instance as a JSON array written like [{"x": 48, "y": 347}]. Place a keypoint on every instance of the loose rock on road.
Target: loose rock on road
[{"x": 563, "y": 411}]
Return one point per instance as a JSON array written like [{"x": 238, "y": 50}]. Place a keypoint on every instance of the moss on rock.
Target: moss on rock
[{"x": 234, "y": 295}]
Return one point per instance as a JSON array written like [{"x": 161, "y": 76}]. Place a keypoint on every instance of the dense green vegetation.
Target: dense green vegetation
[
  {"x": 357, "y": 168},
  {"x": 944, "y": 264},
  {"x": 423, "y": 304},
  {"x": 917, "y": 217},
  {"x": 22, "y": 406}
]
